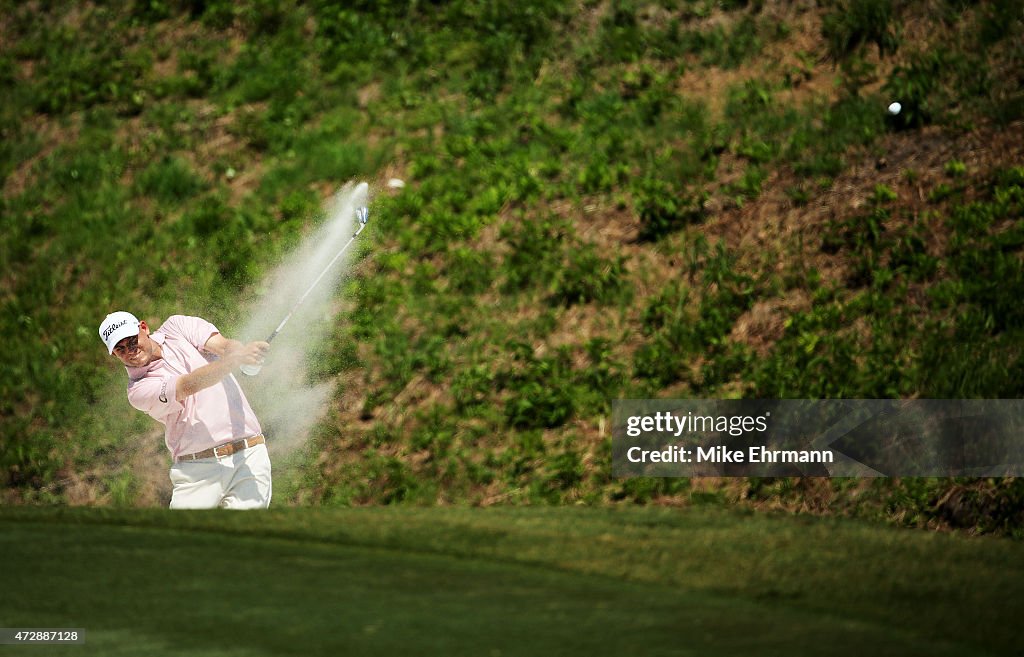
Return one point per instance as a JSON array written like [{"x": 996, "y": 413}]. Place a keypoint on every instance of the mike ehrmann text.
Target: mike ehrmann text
[{"x": 721, "y": 454}]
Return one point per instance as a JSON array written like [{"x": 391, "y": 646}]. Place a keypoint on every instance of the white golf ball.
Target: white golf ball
[
  {"x": 894, "y": 108},
  {"x": 396, "y": 183}
]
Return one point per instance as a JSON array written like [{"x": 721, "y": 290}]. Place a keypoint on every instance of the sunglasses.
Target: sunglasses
[{"x": 127, "y": 346}]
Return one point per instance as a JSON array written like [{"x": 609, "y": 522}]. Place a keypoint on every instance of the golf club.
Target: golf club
[{"x": 363, "y": 215}]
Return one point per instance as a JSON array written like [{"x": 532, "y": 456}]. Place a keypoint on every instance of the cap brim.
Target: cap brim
[{"x": 125, "y": 331}]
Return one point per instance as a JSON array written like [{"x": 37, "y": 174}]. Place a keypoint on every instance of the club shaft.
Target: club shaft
[{"x": 315, "y": 283}]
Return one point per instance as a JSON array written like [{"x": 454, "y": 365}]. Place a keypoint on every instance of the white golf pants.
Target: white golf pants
[{"x": 237, "y": 481}]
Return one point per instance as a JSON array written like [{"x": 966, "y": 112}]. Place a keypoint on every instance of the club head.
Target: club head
[
  {"x": 363, "y": 214},
  {"x": 250, "y": 370}
]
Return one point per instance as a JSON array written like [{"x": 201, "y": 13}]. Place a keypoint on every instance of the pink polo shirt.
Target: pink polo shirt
[{"x": 213, "y": 416}]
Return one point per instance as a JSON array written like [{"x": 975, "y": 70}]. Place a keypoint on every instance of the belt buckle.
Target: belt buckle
[{"x": 216, "y": 453}]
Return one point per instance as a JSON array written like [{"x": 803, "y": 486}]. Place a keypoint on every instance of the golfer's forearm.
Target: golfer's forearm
[
  {"x": 219, "y": 345},
  {"x": 204, "y": 377}
]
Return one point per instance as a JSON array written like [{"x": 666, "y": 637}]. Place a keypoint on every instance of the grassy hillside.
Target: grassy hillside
[
  {"x": 515, "y": 581},
  {"x": 605, "y": 199}
]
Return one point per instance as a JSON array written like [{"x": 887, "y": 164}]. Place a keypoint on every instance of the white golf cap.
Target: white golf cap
[{"x": 116, "y": 327}]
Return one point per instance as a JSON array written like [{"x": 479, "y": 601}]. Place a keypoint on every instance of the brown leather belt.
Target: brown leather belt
[{"x": 223, "y": 450}]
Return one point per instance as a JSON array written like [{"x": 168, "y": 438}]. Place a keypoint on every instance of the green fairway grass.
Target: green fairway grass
[{"x": 508, "y": 581}]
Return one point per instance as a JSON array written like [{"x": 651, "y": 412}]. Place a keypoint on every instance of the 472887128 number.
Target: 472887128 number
[{"x": 23, "y": 635}]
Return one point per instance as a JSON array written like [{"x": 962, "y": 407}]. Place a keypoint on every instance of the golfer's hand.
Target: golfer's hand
[{"x": 252, "y": 353}]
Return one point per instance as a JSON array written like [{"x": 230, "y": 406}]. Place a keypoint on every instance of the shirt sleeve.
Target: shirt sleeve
[
  {"x": 155, "y": 396},
  {"x": 194, "y": 329}
]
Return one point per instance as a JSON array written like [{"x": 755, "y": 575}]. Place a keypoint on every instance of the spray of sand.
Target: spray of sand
[{"x": 286, "y": 401}]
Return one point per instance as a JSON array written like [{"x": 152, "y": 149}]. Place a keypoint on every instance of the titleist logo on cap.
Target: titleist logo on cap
[
  {"x": 116, "y": 326},
  {"x": 113, "y": 327}
]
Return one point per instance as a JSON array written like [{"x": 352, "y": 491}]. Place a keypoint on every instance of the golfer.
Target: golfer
[{"x": 181, "y": 375}]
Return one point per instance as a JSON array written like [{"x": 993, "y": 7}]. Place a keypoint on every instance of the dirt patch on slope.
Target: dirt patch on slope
[{"x": 772, "y": 233}]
